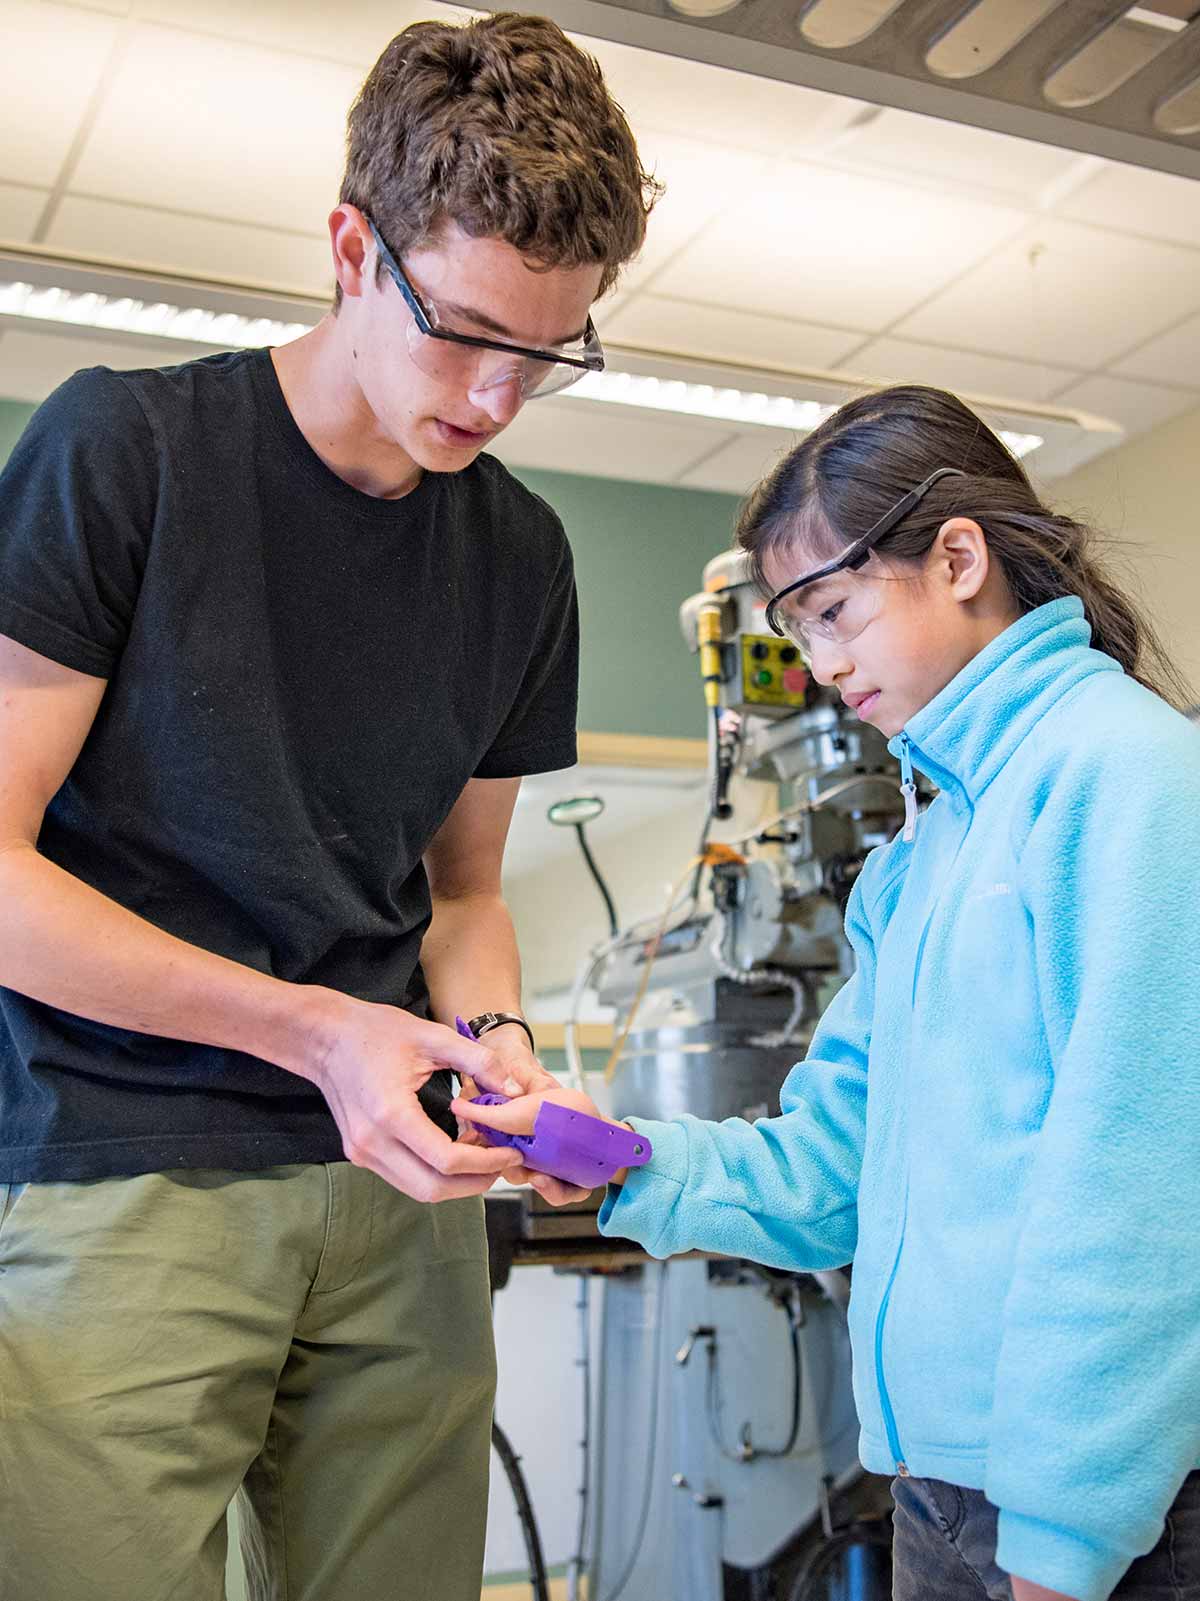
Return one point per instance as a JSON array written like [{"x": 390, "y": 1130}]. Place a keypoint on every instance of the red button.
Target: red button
[{"x": 795, "y": 680}]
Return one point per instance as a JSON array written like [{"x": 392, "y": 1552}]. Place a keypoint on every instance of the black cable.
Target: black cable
[
  {"x": 751, "y": 1452},
  {"x": 539, "y": 1583},
  {"x": 715, "y": 792},
  {"x": 718, "y": 805},
  {"x": 613, "y": 925}
]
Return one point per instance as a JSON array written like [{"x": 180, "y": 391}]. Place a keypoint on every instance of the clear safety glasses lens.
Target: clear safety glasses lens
[
  {"x": 477, "y": 367},
  {"x": 836, "y": 609}
]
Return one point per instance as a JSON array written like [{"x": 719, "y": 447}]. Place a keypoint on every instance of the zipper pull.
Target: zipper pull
[{"x": 908, "y": 789}]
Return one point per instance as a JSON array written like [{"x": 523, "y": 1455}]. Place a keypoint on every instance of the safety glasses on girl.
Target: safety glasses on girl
[
  {"x": 838, "y": 602},
  {"x": 471, "y": 360}
]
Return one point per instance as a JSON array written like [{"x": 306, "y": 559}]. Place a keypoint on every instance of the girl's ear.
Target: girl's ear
[{"x": 961, "y": 557}]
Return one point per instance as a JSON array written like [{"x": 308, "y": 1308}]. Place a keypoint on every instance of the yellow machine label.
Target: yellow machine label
[{"x": 773, "y": 672}]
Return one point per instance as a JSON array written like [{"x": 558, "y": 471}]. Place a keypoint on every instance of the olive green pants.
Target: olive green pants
[{"x": 305, "y": 1336}]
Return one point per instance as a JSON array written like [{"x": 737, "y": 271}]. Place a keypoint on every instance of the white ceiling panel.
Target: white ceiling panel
[
  {"x": 612, "y": 442},
  {"x": 901, "y": 361},
  {"x": 900, "y": 141},
  {"x": 699, "y": 180},
  {"x": 195, "y": 245},
  {"x": 833, "y": 247},
  {"x": 1135, "y": 406},
  {"x": 355, "y": 34},
  {"x": 732, "y": 110},
  {"x": 655, "y": 323},
  {"x": 1174, "y": 357},
  {"x": 1134, "y": 200},
  {"x": 737, "y": 466},
  {"x": 1086, "y": 298},
  {"x": 52, "y": 60},
  {"x": 32, "y": 364},
  {"x": 19, "y": 211},
  {"x": 222, "y": 128}
]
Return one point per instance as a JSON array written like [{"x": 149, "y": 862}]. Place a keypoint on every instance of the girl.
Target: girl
[{"x": 999, "y": 1117}]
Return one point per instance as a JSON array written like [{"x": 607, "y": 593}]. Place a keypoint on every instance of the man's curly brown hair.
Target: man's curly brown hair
[{"x": 506, "y": 128}]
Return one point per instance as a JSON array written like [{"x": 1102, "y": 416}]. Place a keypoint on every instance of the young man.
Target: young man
[{"x": 279, "y": 644}]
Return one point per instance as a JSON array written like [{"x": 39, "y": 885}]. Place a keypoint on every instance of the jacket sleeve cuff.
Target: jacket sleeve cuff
[
  {"x": 640, "y": 1209},
  {"x": 1057, "y": 1558}
]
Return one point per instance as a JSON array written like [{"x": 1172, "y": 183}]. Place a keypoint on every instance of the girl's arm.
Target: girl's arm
[
  {"x": 1024, "y": 1591},
  {"x": 782, "y": 1191}
]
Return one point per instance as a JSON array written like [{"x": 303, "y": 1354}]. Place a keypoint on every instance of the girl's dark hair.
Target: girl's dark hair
[{"x": 864, "y": 458}]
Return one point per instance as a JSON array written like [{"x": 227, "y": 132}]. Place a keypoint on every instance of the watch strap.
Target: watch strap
[{"x": 486, "y": 1021}]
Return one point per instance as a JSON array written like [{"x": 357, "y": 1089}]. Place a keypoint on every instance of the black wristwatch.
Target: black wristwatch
[{"x": 486, "y": 1021}]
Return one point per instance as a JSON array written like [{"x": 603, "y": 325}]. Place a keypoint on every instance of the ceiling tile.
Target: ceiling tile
[
  {"x": 52, "y": 61},
  {"x": 901, "y": 361},
  {"x": 901, "y": 141},
  {"x": 1088, "y": 296},
  {"x": 1173, "y": 358},
  {"x": 1067, "y": 457},
  {"x": 231, "y": 130},
  {"x": 736, "y": 110},
  {"x": 580, "y": 436},
  {"x": 196, "y": 245},
  {"x": 355, "y": 34},
  {"x": 699, "y": 180},
  {"x": 737, "y": 466},
  {"x": 1156, "y": 204},
  {"x": 823, "y": 246},
  {"x": 19, "y": 211},
  {"x": 32, "y": 364},
  {"x": 655, "y": 323},
  {"x": 1135, "y": 406}
]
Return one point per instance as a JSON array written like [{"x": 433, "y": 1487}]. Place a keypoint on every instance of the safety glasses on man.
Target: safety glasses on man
[
  {"x": 474, "y": 360},
  {"x": 837, "y": 601}
]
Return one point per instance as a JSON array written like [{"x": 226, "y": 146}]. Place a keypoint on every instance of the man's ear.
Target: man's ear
[
  {"x": 348, "y": 236},
  {"x": 960, "y": 555}
]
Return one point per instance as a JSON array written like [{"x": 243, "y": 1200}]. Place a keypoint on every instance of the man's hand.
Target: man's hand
[
  {"x": 519, "y": 1116},
  {"x": 1024, "y": 1590},
  {"x": 373, "y": 1061},
  {"x": 525, "y": 1075}
]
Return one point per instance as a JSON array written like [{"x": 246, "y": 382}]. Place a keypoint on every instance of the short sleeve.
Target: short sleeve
[
  {"x": 78, "y": 498},
  {"x": 538, "y": 735}
]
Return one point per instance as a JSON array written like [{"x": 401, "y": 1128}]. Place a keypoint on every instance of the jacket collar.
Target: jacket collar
[{"x": 962, "y": 739}]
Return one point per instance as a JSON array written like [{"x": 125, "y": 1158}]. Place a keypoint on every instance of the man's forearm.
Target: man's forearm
[
  {"x": 66, "y": 944},
  {"x": 469, "y": 957}
]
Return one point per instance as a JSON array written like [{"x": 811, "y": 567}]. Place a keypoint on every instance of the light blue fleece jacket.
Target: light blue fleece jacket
[{"x": 998, "y": 1119}]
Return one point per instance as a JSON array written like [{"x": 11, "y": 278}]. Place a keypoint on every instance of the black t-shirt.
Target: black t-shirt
[{"x": 301, "y": 681}]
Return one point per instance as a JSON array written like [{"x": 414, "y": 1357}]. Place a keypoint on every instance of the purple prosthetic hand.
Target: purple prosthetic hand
[{"x": 568, "y": 1145}]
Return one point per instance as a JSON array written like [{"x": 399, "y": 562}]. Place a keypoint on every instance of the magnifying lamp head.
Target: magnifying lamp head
[{"x": 575, "y": 810}]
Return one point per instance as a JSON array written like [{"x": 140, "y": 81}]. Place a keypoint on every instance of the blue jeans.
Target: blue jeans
[{"x": 944, "y": 1548}]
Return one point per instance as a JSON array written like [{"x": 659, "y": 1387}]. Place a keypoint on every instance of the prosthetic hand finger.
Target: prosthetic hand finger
[{"x": 570, "y": 1145}]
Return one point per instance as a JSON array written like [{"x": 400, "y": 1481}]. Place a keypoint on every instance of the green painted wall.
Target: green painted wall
[
  {"x": 640, "y": 550},
  {"x": 14, "y": 414}
]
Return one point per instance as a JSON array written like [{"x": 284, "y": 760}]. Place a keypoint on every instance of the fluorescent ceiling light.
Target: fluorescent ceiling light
[
  {"x": 224, "y": 330},
  {"x": 1154, "y": 19},
  {"x": 123, "y": 314},
  {"x": 700, "y": 400},
  {"x": 728, "y": 405}
]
